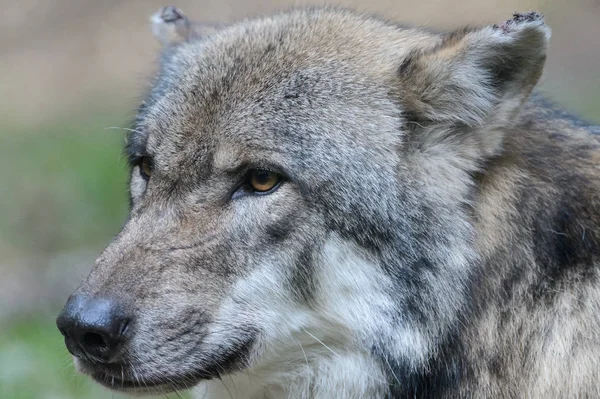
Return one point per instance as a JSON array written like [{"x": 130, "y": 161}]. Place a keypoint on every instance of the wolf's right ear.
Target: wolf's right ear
[{"x": 171, "y": 26}]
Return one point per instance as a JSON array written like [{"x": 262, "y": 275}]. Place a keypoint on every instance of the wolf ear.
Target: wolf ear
[
  {"x": 171, "y": 26},
  {"x": 476, "y": 77}
]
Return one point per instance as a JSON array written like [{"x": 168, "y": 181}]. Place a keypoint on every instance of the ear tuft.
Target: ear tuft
[
  {"x": 523, "y": 20},
  {"x": 170, "y": 25}
]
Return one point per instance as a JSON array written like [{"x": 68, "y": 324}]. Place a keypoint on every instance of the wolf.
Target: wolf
[{"x": 325, "y": 204}]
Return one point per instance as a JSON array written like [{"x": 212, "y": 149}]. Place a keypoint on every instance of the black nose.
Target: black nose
[{"x": 93, "y": 327}]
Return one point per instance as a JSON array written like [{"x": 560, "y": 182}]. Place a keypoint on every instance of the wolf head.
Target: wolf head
[{"x": 300, "y": 191}]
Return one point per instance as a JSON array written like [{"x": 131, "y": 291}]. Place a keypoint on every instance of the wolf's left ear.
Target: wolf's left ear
[
  {"x": 476, "y": 77},
  {"x": 171, "y": 26}
]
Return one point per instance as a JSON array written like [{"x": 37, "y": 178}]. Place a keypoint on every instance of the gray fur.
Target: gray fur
[{"x": 436, "y": 233}]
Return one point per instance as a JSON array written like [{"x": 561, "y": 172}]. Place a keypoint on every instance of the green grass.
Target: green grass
[{"x": 34, "y": 364}]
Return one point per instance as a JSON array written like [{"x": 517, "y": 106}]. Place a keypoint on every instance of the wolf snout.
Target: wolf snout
[{"x": 93, "y": 327}]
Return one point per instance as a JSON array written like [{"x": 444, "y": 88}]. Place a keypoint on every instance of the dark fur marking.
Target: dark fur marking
[
  {"x": 270, "y": 48},
  {"x": 409, "y": 63},
  {"x": 302, "y": 279},
  {"x": 232, "y": 357},
  {"x": 505, "y": 67},
  {"x": 442, "y": 375},
  {"x": 562, "y": 249},
  {"x": 280, "y": 230}
]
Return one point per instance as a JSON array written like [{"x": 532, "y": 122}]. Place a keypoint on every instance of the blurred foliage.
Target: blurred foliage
[{"x": 65, "y": 184}]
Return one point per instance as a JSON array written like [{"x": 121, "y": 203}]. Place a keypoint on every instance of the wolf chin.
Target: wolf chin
[{"x": 328, "y": 205}]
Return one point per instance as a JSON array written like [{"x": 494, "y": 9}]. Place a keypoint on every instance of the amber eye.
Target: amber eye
[
  {"x": 146, "y": 167},
  {"x": 262, "y": 181}
]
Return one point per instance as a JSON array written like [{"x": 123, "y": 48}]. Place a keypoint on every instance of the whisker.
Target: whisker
[
  {"x": 337, "y": 354},
  {"x": 392, "y": 370},
  {"x": 122, "y": 376},
  {"x": 321, "y": 342},
  {"x": 225, "y": 385},
  {"x": 307, "y": 365},
  {"x": 123, "y": 128},
  {"x": 233, "y": 383}
]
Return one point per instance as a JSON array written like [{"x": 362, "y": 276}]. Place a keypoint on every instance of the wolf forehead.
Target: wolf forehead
[{"x": 260, "y": 80}]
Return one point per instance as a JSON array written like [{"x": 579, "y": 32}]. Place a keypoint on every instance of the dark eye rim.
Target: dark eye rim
[
  {"x": 140, "y": 164},
  {"x": 244, "y": 189}
]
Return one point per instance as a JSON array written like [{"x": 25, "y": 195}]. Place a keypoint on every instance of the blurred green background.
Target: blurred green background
[{"x": 71, "y": 69}]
